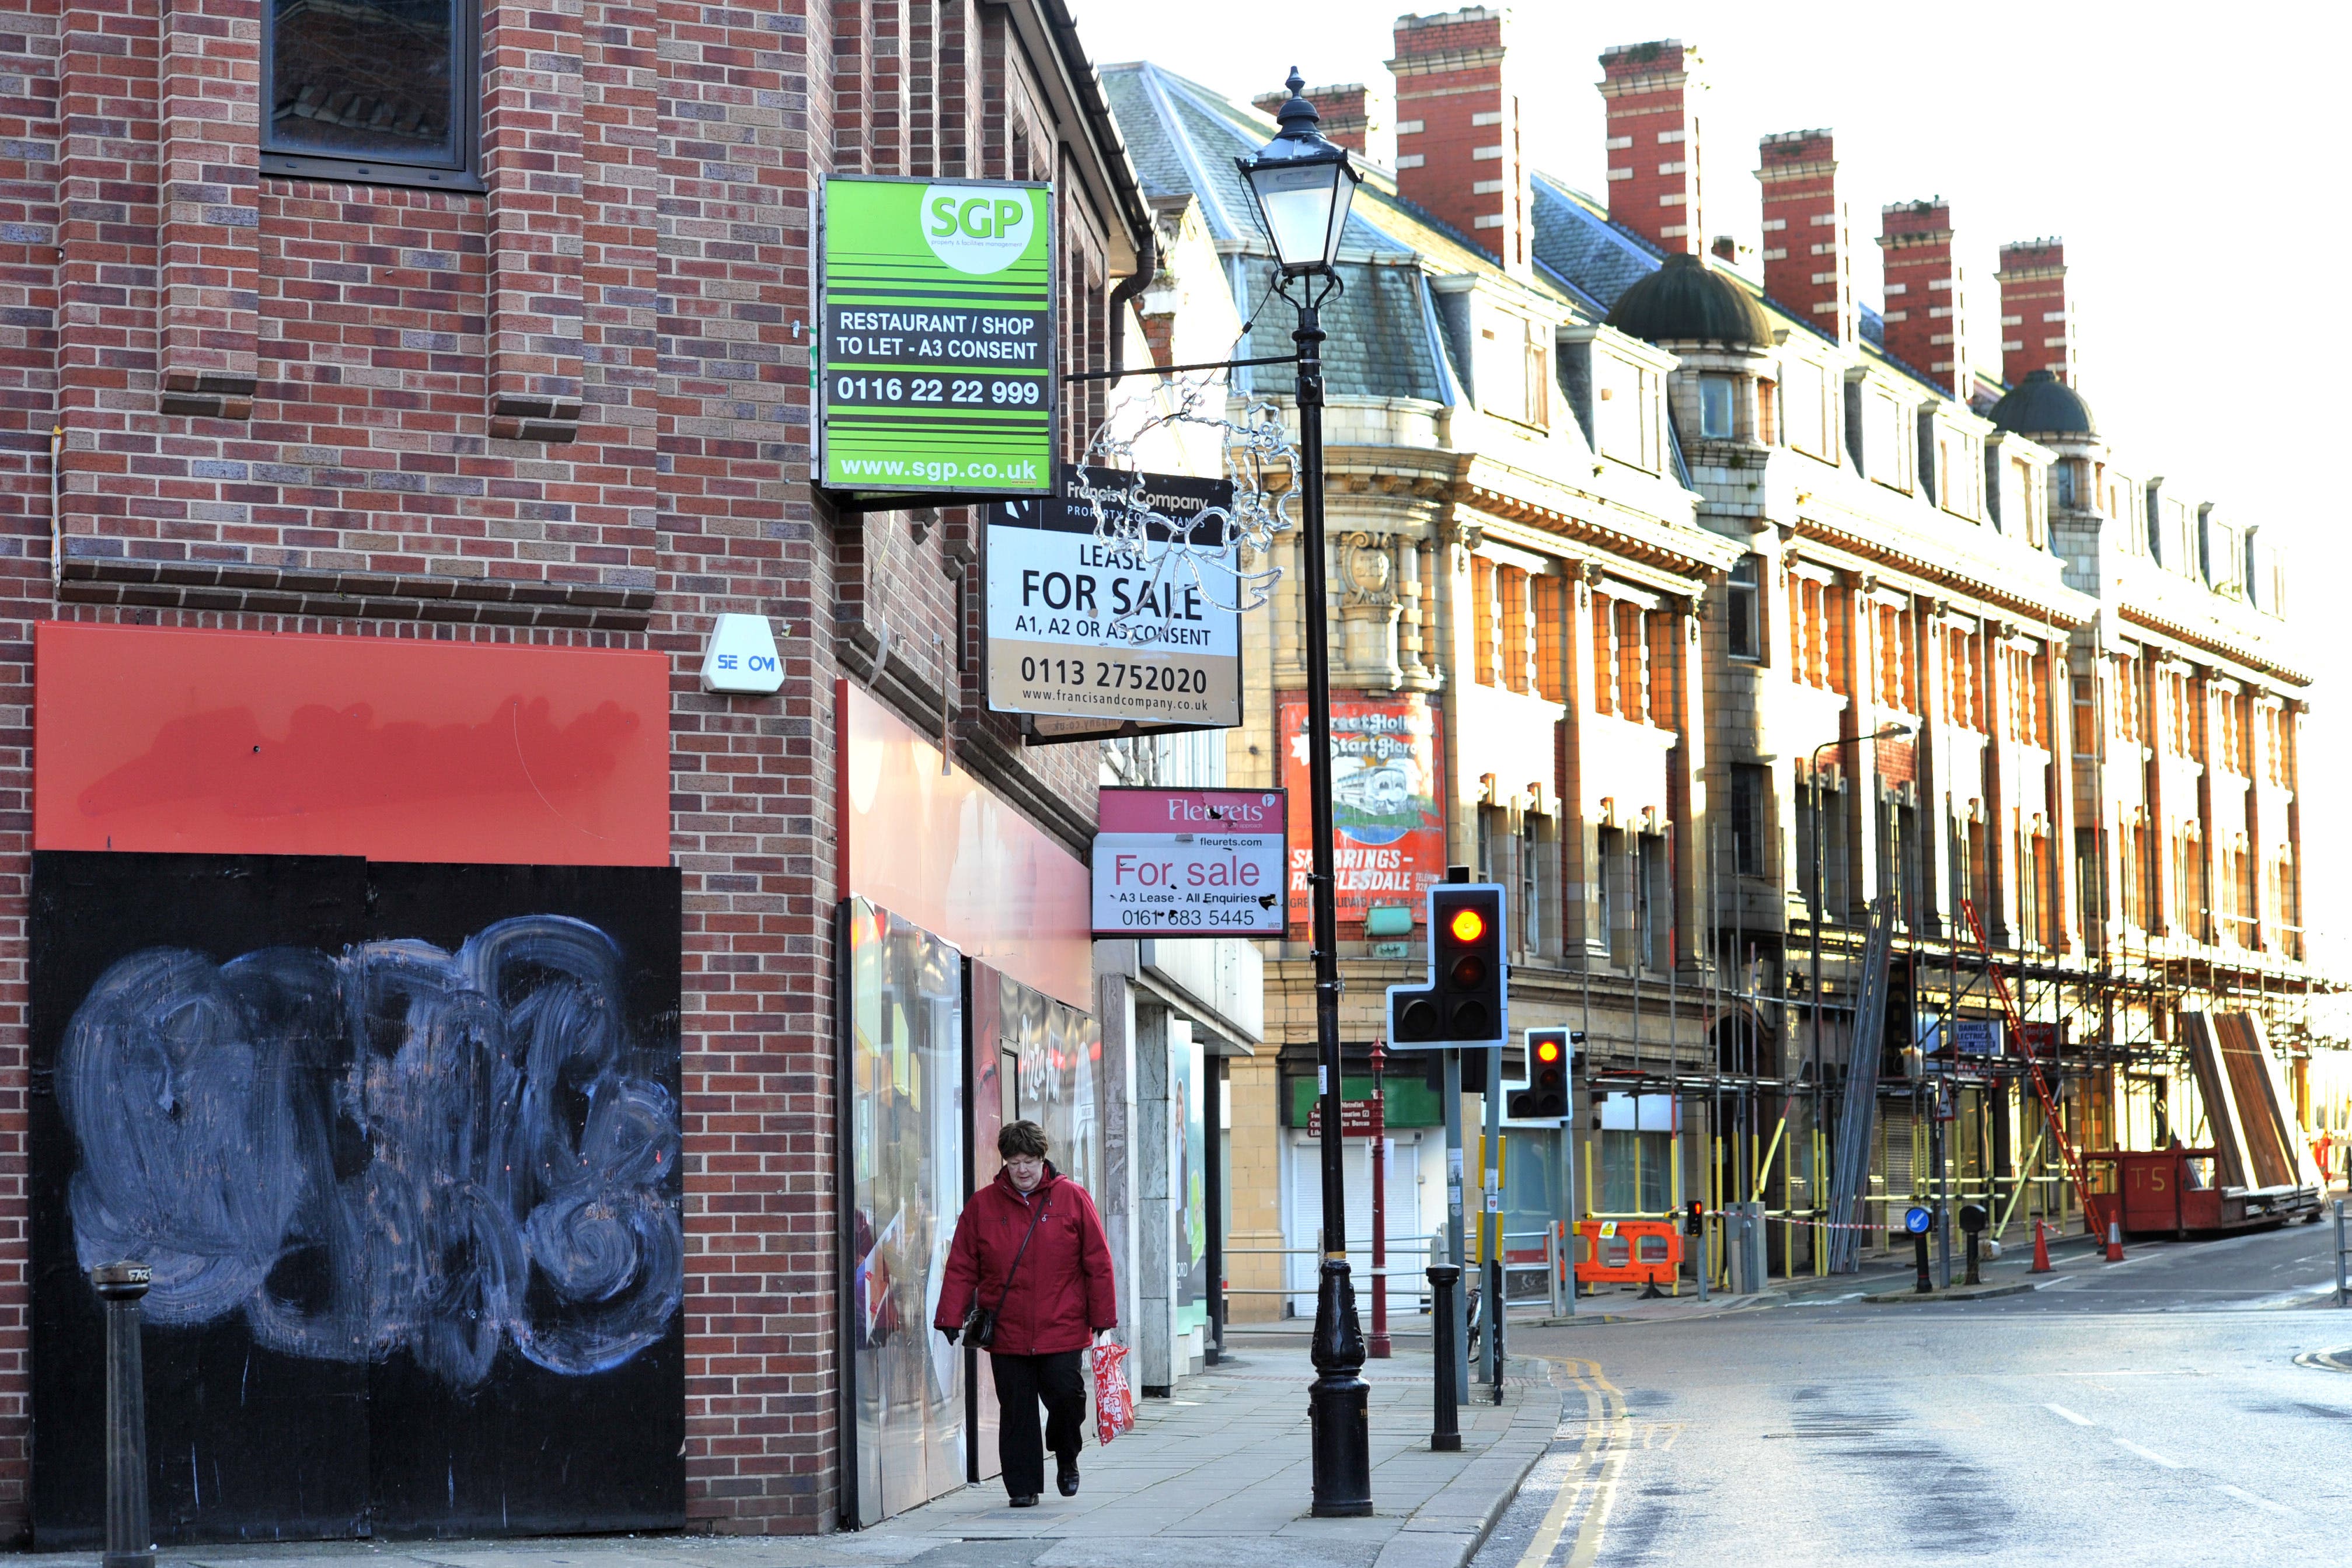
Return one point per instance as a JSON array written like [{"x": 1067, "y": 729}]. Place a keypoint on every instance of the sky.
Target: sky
[{"x": 2189, "y": 156}]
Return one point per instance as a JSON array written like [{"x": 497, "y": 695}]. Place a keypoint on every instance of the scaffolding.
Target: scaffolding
[{"x": 2104, "y": 1023}]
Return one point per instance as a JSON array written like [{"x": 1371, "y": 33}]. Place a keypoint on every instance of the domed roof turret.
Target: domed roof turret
[
  {"x": 2041, "y": 404},
  {"x": 1687, "y": 301}
]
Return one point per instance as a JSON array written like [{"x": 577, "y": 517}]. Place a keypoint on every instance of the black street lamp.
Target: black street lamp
[
  {"x": 1303, "y": 185},
  {"x": 1814, "y": 906}
]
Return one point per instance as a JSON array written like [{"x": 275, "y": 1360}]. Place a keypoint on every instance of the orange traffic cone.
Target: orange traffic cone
[
  {"x": 2041, "y": 1248},
  {"x": 2115, "y": 1242}
]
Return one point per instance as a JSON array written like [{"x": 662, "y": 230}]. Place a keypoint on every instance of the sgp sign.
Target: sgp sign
[{"x": 1190, "y": 862}]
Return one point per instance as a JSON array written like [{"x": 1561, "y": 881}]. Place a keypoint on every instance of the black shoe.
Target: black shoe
[
  {"x": 1065, "y": 1475},
  {"x": 1025, "y": 1499}
]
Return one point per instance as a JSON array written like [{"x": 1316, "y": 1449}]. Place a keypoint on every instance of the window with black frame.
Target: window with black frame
[{"x": 380, "y": 91}]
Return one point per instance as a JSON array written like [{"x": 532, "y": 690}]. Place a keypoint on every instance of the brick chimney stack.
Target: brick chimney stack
[
  {"x": 1355, "y": 116},
  {"x": 1807, "y": 245},
  {"x": 1654, "y": 143},
  {"x": 1926, "y": 316},
  {"x": 2037, "y": 325},
  {"x": 1458, "y": 130}
]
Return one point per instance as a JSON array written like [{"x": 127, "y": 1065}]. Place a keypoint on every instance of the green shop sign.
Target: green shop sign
[{"x": 936, "y": 337}]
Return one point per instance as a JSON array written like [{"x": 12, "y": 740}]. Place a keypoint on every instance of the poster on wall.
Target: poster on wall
[
  {"x": 935, "y": 337},
  {"x": 1080, "y": 629},
  {"x": 1190, "y": 862},
  {"x": 1387, "y": 807},
  {"x": 400, "y": 1142}
]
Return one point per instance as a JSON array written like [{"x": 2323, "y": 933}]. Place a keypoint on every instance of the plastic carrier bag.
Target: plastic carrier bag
[{"x": 1114, "y": 1401}]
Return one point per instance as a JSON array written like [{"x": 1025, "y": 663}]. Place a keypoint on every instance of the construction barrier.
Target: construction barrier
[{"x": 1629, "y": 1251}]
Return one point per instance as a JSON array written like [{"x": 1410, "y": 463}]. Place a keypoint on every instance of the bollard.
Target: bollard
[
  {"x": 1974, "y": 1217},
  {"x": 129, "y": 1542},
  {"x": 2343, "y": 1285},
  {"x": 1927, "y": 1286},
  {"x": 1445, "y": 1435}
]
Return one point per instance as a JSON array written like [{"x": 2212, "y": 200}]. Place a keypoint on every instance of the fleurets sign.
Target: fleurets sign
[
  {"x": 1080, "y": 628},
  {"x": 1190, "y": 862},
  {"x": 1388, "y": 814},
  {"x": 935, "y": 352}
]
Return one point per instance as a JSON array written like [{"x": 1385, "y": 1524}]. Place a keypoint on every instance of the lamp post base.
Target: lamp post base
[{"x": 1338, "y": 1402}]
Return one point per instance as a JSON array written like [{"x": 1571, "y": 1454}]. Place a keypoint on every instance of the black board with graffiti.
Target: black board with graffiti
[{"x": 401, "y": 1144}]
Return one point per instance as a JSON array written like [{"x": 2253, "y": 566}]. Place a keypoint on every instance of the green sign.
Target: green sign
[{"x": 936, "y": 337}]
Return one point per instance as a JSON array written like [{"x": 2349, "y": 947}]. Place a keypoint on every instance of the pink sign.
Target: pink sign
[{"x": 1190, "y": 862}]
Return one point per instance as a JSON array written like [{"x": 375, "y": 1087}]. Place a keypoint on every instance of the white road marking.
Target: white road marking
[
  {"x": 2243, "y": 1495},
  {"x": 2069, "y": 1414},
  {"x": 2150, "y": 1455}
]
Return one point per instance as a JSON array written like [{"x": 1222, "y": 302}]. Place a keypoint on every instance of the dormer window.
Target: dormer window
[{"x": 1715, "y": 407}]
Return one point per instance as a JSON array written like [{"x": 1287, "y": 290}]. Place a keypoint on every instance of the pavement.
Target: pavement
[{"x": 1219, "y": 1474}]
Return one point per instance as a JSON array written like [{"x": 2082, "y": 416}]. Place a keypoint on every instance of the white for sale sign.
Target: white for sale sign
[
  {"x": 1191, "y": 862},
  {"x": 1078, "y": 629}
]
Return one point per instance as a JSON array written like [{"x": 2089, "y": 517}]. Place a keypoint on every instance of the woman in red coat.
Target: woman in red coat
[{"x": 1031, "y": 1246}]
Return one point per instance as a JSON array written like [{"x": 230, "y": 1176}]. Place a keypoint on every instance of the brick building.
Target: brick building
[{"x": 391, "y": 396}]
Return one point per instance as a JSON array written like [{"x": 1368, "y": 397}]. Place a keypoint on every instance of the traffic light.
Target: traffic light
[
  {"x": 1545, "y": 1098},
  {"x": 1463, "y": 1004},
  {"x": 1695, "y": 1219}
]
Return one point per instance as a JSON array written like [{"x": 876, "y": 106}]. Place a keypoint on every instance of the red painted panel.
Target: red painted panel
[{"x": 251, "y": 743}]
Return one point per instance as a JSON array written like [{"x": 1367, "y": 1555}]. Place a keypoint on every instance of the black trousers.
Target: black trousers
[{"x": 1021, "y": 1381}]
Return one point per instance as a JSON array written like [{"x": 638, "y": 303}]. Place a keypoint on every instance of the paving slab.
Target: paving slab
[{"x": 1218, "y": 1475}]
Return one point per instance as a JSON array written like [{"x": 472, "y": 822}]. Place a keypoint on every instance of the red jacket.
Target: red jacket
[{"x": 1062, "y": 1291}]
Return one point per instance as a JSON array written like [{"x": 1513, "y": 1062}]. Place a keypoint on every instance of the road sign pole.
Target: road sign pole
[
  {"x": 1459, "y": 1306},
  {"x": 1490, "y": 1218}
]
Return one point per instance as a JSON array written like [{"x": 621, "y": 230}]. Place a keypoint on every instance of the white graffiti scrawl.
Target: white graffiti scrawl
[{"x": 399, "y": 1149}]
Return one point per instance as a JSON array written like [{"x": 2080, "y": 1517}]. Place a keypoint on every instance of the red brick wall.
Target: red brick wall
[
  {"x": 1463, "y": 164},
  {"x": 572, "y": 411},
  {"x": 2037, "y": 327},
  {"x": 1807, "y": 250},
  {"x": 1926, "y": 310},
  {"x": 1654, "y": 143}
]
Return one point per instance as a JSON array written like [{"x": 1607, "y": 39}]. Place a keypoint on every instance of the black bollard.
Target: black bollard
[
  {"x": 1445, "y": 1437},
  {"x": 1919, "y": 1246},
  {"x": 129, "y": 1542},
  {"x": 1495, "y": 1321},
  {"x": 1973, "y": 1218}
]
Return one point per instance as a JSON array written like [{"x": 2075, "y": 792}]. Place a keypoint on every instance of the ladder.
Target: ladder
[
  {"x": 2092, "y": 1213},
  {"x": 1850, "y": 1168}
]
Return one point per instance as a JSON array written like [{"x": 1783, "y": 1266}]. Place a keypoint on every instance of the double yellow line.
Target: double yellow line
[{"x": 1591, "y": 1481}]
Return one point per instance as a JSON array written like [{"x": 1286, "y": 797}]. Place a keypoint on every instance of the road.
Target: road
[{"x": 2148, "y": 1413}]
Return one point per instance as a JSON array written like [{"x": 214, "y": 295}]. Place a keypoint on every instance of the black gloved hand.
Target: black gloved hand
[{"x": 953, "y": 1334}]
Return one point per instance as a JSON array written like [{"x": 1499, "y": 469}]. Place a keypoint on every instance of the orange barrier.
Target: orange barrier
[{"x": 1629, "y": 1251}]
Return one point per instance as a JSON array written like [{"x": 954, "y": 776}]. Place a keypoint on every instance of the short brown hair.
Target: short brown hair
[{"x": 1021, "y": 1138}]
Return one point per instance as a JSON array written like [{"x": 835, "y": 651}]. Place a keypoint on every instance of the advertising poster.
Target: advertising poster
[
  {"x": 936, "y": 337},
  {"x": 1077, "y": 628},
  {"x": 1387, "y": 806},
  {"x": 1190, "y": 862}
]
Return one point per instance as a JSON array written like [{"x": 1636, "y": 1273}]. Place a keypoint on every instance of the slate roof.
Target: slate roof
[
  {"x": 1576, "y": 242},
  {"x": 1687, "y": 300},
  {"x": 2041, "y": 404}
]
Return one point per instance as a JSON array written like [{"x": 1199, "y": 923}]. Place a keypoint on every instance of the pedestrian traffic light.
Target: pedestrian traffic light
[
  {"x": 1463, "y": 1006},
  {"x": 1545, "y": 1098},
  {"x": 1695, "y": 1217}
]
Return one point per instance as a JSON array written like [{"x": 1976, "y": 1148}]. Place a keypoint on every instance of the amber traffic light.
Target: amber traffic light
[
  {"x": 1545, "y": 1098},
  {"x": 1464, "y": 1003}
]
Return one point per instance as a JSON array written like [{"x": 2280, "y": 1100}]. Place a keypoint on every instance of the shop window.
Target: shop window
[{"x": 378, "y": 91}]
